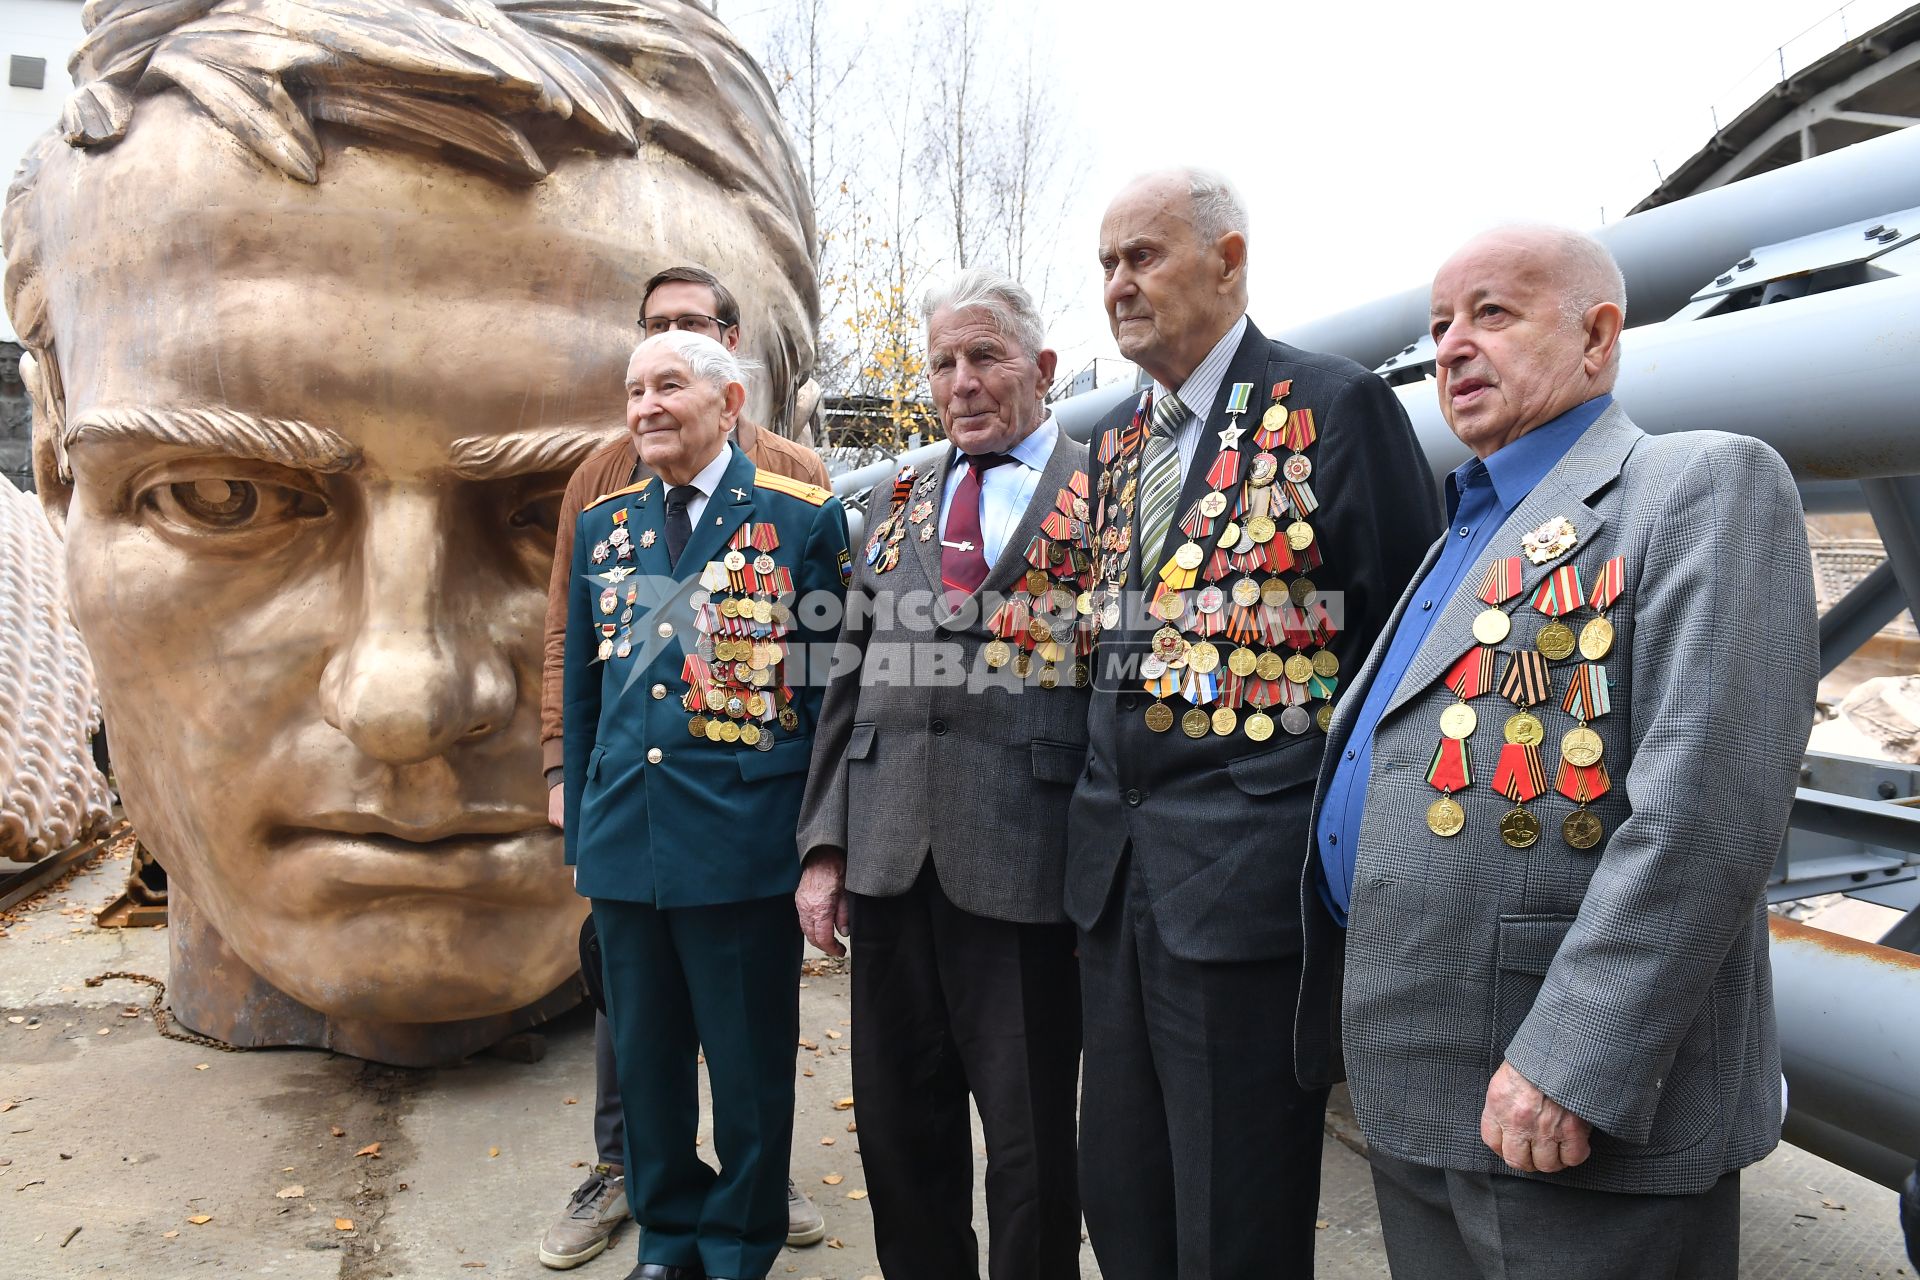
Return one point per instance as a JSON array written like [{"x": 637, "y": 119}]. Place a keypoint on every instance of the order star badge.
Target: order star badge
[
  {"x": 1230, "y": 436},
  {"x": 1550, "y": 541},
  {"x": 647, "y": 538}
]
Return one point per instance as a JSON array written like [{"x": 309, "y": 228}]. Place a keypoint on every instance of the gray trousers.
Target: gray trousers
[
  {"x": 1443, "y": 1224},
  {"x": 609, "y": 1119}
]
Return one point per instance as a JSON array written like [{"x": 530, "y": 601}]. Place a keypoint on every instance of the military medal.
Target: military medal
[
  {"x": 1500, "y": 584},
  {"x": 1587, "y": 698},
  {"x": 1525, "y": 728},
  {"x": 647, "y": 538},
  {"x": 1581, "y": 784},
  {"x": 1159, "y": 717},
  {"x": 1520, "y": 777},
  {"x": 1526, "y": 679},
  {"x": 1560, "y": 594},
  {"x": 1449, "y": 771},
  {"x": 1596, "y": 638},
  {"x": 1295, "y": 720},
  {"x": 1550, "y": 541}
]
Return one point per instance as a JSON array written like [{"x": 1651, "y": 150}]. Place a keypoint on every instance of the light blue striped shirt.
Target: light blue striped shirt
[
  {"x": 1198, "y": 391},
  {"x": 1005, "y": 490}
]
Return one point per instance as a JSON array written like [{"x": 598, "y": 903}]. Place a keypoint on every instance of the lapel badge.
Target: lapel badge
[
  {"x": 739, "y": 495},
  {"x": 926, "y": 533},
  {"x": 647, "y": 538},
  {"x": 921, "y": 510},
  {"x": 600, "y": 552},
  {"x": 1550, "y": 541}
]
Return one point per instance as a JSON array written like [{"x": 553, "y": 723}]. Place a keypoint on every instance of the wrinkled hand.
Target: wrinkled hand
[
  {"x": 1529, "y": 1130},
  {"x": 557, "y": 805},
  {"x": 821, "y": 900}
]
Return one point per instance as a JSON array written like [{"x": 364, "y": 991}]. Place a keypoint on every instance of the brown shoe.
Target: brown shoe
[
  {"x": 804, "y": 1223},
  {"x": 593, "y": 1214}
]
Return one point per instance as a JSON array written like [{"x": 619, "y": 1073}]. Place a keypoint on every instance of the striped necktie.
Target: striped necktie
[{"x": 1159, "y": 477}]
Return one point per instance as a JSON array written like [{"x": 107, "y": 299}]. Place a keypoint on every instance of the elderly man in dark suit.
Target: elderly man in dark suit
[
  {"x": 1554, "y": 795},
  {"x": 936, "y": 813},
  {"x": 1257, "y": 510}
]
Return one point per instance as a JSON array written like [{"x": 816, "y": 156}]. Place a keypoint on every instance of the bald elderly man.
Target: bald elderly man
[{"x": 1549, "y": 807}]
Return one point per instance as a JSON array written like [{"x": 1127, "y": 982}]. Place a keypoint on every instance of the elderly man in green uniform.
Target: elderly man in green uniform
[{"x": 699, "y": 596}]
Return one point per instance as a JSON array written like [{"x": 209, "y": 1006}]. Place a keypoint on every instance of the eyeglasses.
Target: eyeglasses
[{"x": 692, "y": 323}]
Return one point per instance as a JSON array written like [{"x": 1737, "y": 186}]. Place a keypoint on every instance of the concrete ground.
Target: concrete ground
[{"x": 126, "y": 1155}]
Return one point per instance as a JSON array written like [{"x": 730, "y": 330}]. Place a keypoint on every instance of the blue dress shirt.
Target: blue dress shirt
[{"x": 1480, "y": 497}]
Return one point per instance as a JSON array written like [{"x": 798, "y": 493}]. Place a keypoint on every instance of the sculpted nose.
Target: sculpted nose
[{"x": 421, "y": 670}]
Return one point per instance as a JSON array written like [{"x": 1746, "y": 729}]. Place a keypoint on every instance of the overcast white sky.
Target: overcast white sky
[{"x": 1368, "y": 139}]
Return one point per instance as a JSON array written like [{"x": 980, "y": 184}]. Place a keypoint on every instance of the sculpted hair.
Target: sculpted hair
[
  {"x": 710, "y": 362},
  {"x": 725, "y": 308},
  {"x": 513, "y": 87},
  {"x": 1000, "y": 296}
]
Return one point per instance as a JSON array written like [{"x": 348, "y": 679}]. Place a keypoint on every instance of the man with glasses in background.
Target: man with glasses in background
[{"x": 693, "y": 300}]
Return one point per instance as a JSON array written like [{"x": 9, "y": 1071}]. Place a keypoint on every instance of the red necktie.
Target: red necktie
[{"x": 963, "y": 556}]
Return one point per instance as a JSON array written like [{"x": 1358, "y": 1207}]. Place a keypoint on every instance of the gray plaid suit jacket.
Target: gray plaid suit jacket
[
  {"x": 920, "y": 758},
  {"x": 1629, "y": 983}
]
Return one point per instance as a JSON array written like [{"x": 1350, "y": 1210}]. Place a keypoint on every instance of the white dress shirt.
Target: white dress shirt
[
  {"x": 706, "y": 481},
  {"x": 1005, "y": 490},
  {"x": 1198, "y": 391}
]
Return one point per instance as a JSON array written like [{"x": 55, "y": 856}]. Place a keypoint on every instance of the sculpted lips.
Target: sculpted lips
[{"x": 484, "y": 852}]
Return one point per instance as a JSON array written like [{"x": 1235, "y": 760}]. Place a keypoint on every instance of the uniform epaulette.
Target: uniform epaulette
[
  {"x": 810, "y": 493},
  {"x": 617, "y": 493}
]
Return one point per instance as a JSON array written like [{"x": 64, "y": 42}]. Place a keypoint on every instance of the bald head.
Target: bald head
[
  {"x": 1526, "y": 323},
  {"x": 1173, "y": 246}
]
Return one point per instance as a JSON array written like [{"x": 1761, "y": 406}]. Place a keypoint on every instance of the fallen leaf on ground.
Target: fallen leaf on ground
[
  {"x": 337, "y": 1131},
  {"x": 16, "y": 1021},
  {"x": 492, "y": 1152},
  {"x": 833, "y": 1035},
  {"x": 1321, "y": 1224},
  {"x": 570, "y": 1102},
  {"x": 104, "y": 1031},
  {"x": 200, "y": 1066},
  {"x": 808, "y": 1044},
  {"x": 343, "y": 1224},
  {"x": 294, "y": 1192},
  {"x": 834, "y": 1179},
  {"x": 827, "y": 1142},
  {"x": 844, "y": 1104},
  {"x": 201, "y": 1219},
  {"x": 8, "y": 1106},
  {"x": 853, "y": 1126},
  {"x": 856, "y": 1195},
  {"x": 170, "y": 1235},
  {"x": 473, "y": 1264},
  {"x": 833, "y": 1242},
  {"x": 371, "y": 1149},
  {"x": 1833, "y": 1204},
  {"x": 808, "y": 1073}
]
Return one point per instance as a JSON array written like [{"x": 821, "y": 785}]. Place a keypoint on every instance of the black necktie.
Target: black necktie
[{"x": 679, "y": 527}]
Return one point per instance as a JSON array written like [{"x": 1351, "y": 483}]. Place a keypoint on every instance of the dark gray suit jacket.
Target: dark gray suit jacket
[
  {"x": 922, "y": 752},
  {"x": 1217, "y": 824},
  {"x": 1629, "y": 983}
]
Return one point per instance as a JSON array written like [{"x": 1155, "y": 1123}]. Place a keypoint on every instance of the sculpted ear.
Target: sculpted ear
[{"x": 52, "y": 475}]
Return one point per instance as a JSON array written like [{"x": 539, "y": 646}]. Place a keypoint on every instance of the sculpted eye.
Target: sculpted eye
[
  {"x": 541, "y": 513},
  {"x": 220, "y": 504}
]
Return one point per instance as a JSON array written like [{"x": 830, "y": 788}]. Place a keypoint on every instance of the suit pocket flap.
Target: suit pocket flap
[
  {"x": 1058, "y": 761},
  {"x": 593, "y": 761},
  {"x": 790, "y": 756},
  {"x": 1275, "y": 771},
  {"x": 860, "y": 745},
  {"x": 1528, "y": 944}
]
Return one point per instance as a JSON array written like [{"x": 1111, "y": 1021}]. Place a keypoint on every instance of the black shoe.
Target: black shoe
[{"x": 661, "y": 1271}]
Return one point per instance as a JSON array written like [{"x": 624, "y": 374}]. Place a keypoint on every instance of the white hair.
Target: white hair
[
  {"x": 709, "y": 361},
  {"x": 1000, "y": 296},
  {"x": 1217, "y": 207}
]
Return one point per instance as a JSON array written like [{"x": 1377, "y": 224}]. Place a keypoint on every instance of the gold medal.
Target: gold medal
[
  {"x": 1299, "y": 535},
  {"x": 1242, "y": 661},
  {"x": 1519, "y": 828},
  {"x": 713, "y": 730},
  {"x": 1525, "y": 729},
  {"x": 729, "y": 608},
  {"x": 1049, "y": 676},
  {"x": 1583, "y": 828},
  {"x": 729, "y": 731},
  {"x": 1273, "y": 593},
  {"x": 1459, "y": 720},
  {"x": 1323, "y": 718},
  {"x": 749, "y": 733},
  {"x": 1261, "y": 529},
  {"x": 1228, "y": 536},
  {"x": 763, "y": 611},
  {"x": 1555, "y": 640},
  {"x": 1023, "y": 664},
  {"x": 1445, "y": 817},
  {"x": 715, "y": 699},
  {"x": 1170, "y": 607},
  {"x": 1189, "y": 556},
  {"x": 1225, "y": 721},
  {"x": 1299, "y": 668},
  {"x": 1325, "y": 665},
  {"x": 1582, "y": 747},
  {"x": 1491, "y": 626},
  {"x": 789, "y": 719},
  {"x": 1303, "y": 592},
  {"x": 1269, "y": 666},
  {"x": 1275, "y": 418},
  {"x": 1159, "y": 717},
  {"x": 1203, "y": 658},
  {"x": 1259, "y": 726},
  {"x": 1195, "y": 723},
  {"x": 697, "y": 726},
  {"x": 1596, "y": 640},
  {"x": 757, "y": 705},
  {"x": 1036, "y": 582}
]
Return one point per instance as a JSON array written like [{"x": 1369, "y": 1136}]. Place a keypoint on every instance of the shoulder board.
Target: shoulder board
[
  {"x": 618, "y": 493},
  {"x": 808, "y": 493}
]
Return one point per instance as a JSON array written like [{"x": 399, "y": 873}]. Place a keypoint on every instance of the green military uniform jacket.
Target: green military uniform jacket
[{"x": 654, "y": 813}]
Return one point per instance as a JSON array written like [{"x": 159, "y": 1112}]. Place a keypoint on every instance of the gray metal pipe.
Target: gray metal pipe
[
  {"x": 1850, "y": 1047},
  {"x": 1668, "y": 253},
  {"x": 1827, "y": 380}
]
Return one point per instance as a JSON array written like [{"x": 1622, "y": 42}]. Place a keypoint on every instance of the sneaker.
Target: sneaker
[
  {"x": 594, "y": 1213},
  {"x": 804, "y": 1223}
]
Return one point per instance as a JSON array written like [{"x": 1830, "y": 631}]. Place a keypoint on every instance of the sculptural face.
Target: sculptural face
[{"x": 317, "y": 626}]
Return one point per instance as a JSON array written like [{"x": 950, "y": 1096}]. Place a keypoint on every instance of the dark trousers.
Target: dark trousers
[
  {"x": 1443, "y": 1224},
  {"x": 1199, "y": 1152},
  {"x": 945, "y": 1004},
  {"x": 609, "y": 1120},
  {"x": 723, "y": 980}
]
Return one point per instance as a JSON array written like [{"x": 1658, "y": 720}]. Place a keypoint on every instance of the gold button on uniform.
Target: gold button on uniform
[
  {"x": 665, "y": 629},
  {"x": 654, "y": 755},
  {"x": 659, "y": 691}
]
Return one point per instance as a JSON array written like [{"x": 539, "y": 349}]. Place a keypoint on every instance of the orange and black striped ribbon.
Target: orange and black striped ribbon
[
  {"x": 1613, "y": 579},
  {"x": 1502, "y": 581},
  {"x": 1472, "y": 675},
  {"x": 1587, "y": 696},
  {"x": 1561, "y": 592},
  {"x": 1527, "y": 679},
  {"x": 1582, "y": 785},
  {"x": 1519, "y": 776}
]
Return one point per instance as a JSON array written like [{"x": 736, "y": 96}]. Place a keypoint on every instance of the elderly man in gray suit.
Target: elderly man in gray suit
[
  {"x": 1549, "y": 809},
  {"x": 935, "y": 818}
]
